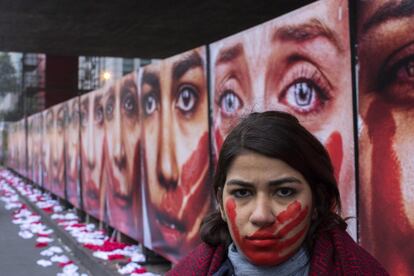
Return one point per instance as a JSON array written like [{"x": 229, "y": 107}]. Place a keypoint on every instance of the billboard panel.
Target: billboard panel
[
  {"x": 92, "y": 153},
  {"x": 299, "y": 63},
  {"x": 72, "y": 152},
  {"x": 122, "y": 151},
  {"x": 385, "y": 36},
  {"x": 173, "y": 96}
]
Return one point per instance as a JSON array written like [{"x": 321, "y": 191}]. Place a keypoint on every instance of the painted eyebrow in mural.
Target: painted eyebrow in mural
[
  {"x": 389, "y": 11},
  {"x": 128, "y": 85},
  {"x": 230, "y": 53},
  {"x": 97, "y": 99},
  {"x": 306, "y": 31},
  {"x": 181, "y": 66},
  {"x": 85, "y": 103},
  {"x": 276, "y": 182},
  {"x": 151, "y": 79}
]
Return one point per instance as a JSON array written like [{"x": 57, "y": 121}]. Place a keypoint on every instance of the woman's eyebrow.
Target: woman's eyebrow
[
  {"x": 238, "y": 182},
  {"x": 308, "y": 30},
  {"x": 284, "y": 180},
  {"x": 181, "y": 66},
  {"x": 229, "y": 54},
  {"x": 389, "y": 11},
  {"x": 276, "y": 182}
]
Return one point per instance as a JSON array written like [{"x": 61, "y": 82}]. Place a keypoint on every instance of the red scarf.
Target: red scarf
[{"x": 334, "y": 253}]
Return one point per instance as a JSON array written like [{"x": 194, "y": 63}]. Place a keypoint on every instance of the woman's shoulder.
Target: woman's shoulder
[
  {"x": 205, "y": 259},
  {"x": 336, "y": 252}
]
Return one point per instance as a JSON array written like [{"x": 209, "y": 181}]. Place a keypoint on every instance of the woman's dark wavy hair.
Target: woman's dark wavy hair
[{"x": 278, "y": 135}]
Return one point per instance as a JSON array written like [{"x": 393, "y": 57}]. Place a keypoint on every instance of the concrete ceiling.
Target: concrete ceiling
[{"x": 133, "y": 28}]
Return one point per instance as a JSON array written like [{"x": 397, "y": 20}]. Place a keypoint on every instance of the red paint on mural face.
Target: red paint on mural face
[
  {"x": 219, "y": 139},
  {"x": 270, "y": 245},
  {"x": 335, "y": 149},
  {"x": 391, "y": 221},
  {"x": 177, "y": 217}
]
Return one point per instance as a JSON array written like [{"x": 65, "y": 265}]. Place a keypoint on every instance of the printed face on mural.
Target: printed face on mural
[
  {"x": 54, "y": 149},
  {"x": 92, "y": 153},
  {"x": 386, "y": 89},
  {"x": 299, "y": 64},
  {"x": 175, "y": 120},
  {"x": 72, "y": 151},
  {"x": 57, "y": 133},
  {"x": 267, "y": 205},
  {"x": 123, "y": 130}
]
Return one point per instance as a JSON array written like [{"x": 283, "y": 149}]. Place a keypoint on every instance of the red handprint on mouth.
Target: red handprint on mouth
[{"x": 275, "y": 243}]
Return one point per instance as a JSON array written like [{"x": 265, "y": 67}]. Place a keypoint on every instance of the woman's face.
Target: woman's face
[
  {"x": 57, "y": 149},
  {"x": 386, "y": 97},
  {"x": 267, "y": 205},
  {"x": 299, "y": 64},
  {"x": 72, "y": 152},
  {"x": 175, "y": 119},
  {"x": 92, "y": 137},
  {"x": 123, "y": 130}
]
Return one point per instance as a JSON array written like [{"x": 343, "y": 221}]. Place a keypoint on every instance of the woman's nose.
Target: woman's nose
[{"x": 262, "y": 214}]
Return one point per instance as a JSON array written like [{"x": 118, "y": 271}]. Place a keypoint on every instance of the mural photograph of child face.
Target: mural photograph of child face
[
  {"x": 72, "y": 152},
  {"x": 122, "y": 131},
  {"x": 298, "y": 63},
  {"x": 385, "y": 37},
  {"x": 92, "y": 153},
  {"x": 176, "y": 150}
]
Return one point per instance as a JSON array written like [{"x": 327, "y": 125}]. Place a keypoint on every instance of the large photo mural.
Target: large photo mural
[
  {"x": 176, "y": 161},
  {"x": 301, "y": 64},
  {"x": 139, "y": 152},
  {"x": 385, "y": 38}
]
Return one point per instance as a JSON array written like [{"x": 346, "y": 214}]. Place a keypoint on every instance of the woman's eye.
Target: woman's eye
[
  {"x": 405, "y": 70},
  {"x": 83, "y": 119},
  {"x": 130, "y": 105},
  {"x": 74, "y": 119},
  {"x": 285, "y": 192},
  {"x": 230, "y": 103},
  {"x": 241, "y": 193},
  {"x": 396, "y": 84},
  {"x": 99, "y": 114},
  {"x": 60, "y": 124},
  {"x": 150, "y": 104},
  {"x": 109, "y": 109},
  {"x": 187, "y": 99},
  {"x": 304, "y": 96}
]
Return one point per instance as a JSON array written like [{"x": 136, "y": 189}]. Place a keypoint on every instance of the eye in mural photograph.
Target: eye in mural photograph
[
  {"x": 123, "y": 150},
  {"x": 72, "y": 154},
  {"x": 385, "y": 38},
  {"x": 299, "y": 63},
  {"x": 92, "y": 152},
  {"x": 175, "y": 151}
]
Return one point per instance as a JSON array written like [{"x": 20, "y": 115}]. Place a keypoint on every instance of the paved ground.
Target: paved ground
[{"x": 18, "y": 256}]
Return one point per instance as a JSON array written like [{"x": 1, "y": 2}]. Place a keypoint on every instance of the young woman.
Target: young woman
[{"x": 278, "y": 208}]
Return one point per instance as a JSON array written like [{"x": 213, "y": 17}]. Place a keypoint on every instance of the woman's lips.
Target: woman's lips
[
  {"x": 262, "y": 239},
  {"x": 122, "y": 201},
  {"x": 171, "y": 228},
  {"x": 262, "y": 242}
]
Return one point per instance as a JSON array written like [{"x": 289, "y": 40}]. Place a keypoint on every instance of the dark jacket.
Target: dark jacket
[{"x": 334, "y": 253}]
